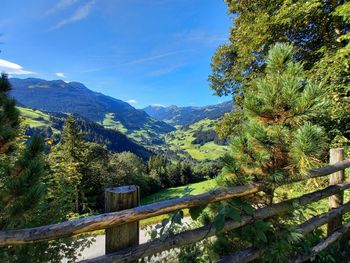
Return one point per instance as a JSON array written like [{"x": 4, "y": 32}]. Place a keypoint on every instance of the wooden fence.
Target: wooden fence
[{"x": 123, "y": 214}]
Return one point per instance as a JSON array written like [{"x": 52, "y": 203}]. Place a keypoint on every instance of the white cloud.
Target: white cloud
[
  {"x": 61, "y": 4},
  {"x": 60, "y": 74},
  {"x": 13, "y": 68},
  {"x": 81, "y": 13},
  {"x": 132, "y": 101}
]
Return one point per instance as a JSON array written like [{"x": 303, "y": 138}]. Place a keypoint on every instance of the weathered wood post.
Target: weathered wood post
[
  {"x": 125, "y": 235},
  {"x": 335, "y": 201}
]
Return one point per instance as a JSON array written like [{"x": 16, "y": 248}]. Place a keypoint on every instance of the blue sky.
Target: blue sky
[{"x": 144, "y": 52}]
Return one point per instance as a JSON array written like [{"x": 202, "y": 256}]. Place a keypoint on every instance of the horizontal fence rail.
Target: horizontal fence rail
[
  {"x": 334, "y": 237},
  {"x": 192, "y": 236},
  {"x": 250, "y": 254},
  {"x": 104, "y": 221}
]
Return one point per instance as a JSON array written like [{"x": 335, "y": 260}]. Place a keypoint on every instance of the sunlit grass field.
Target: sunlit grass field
[{"x": 182, "y": 140}]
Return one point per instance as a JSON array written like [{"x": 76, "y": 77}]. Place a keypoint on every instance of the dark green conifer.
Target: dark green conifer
[
  {"x": 277, "y": 142},
  {"x": 9, "y": 116}
]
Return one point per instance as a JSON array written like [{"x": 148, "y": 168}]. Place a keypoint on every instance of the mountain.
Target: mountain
[
  {"x": 74, "y": 97},
  {"x": 50, "y": 125},
  {"x": 183, "y": 116}
]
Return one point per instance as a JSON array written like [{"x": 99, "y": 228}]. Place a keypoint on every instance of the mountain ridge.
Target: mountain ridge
[
  {"x": 182, "y": 116},
  {"x": 75, "y": 97}
]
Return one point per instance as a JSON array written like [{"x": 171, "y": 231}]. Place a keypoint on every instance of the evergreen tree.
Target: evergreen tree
[
  {"x": 67, "y": 164},
  {"x": 277, "y": 142},
  {"x": 156, "y": 168},
  {"x": 319, "y": 30},
  {"x": 9, "y": 116},
  {"x": 20, "y": 176},
  {"x": 24, "y": 198}
]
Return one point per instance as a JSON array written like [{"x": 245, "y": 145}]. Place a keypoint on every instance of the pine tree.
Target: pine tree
[
  {"x": 319, "y": 30},
  {"x": 277, "y": 142},
  {"x": 25, "y": 200},
  {"x": 21, "y": 176},
  {"x": 9, "y": 116},
  {"x": 67, "y": 164},
  {"x": 22, "y": 190}
]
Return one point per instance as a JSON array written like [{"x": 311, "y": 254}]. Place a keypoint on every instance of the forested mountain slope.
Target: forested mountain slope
[
  {"x": 50, "y": 125},
  {"x": 74, "y": 97}
]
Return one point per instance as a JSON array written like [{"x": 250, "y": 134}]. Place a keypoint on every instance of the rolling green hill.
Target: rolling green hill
[
  {"x": 196, "y": 140},
  {"x": 49, "y": 125},
  {"x": 147, "y": 135}
]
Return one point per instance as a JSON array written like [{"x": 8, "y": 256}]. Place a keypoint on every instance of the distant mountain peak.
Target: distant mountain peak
[{"x": 182, "y": 116}]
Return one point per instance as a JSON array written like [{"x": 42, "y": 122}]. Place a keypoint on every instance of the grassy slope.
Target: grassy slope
[
  {"x": 110, "y": 123},
  {"x": 182, "y": 140},
  {"x": 35, "y": 118},
  {"x": 139, "y": 136}
]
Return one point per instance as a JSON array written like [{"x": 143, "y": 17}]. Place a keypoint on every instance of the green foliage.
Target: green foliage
[
  {"x": 68, "y": 165},
  {"x": 277, "y": 142},
  {"x": 9, "y": 116},
  {"x": 196, "y": 211},
  {"x": 319, "y": 32},
  {"x": 22, "y": 187},
  {"x": 24, "y": 195}
]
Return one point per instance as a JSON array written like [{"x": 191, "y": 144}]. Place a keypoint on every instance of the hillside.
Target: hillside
[
  {"x": 197, "y": 140},
  {"x": 74, "y": 97},
  {"x": 181, "y": 116},
  {"x": 49, "y": 125}
]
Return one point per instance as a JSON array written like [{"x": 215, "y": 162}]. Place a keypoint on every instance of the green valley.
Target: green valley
[{"x": 183, "y": 141}]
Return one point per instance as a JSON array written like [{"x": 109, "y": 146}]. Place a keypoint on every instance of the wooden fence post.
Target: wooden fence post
[
  {"x": 335, "y": 201},
  {"x": 125, "y": 235}
]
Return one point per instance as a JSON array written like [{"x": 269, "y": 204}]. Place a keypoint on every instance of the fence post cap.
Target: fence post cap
[
  {"x": 122, "y": 189},
  {"x": 337, "y": 149}
]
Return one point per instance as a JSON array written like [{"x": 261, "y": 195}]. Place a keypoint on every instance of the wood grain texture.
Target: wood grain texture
[
  {"x": 335, "y": 201},
  {"x": 127, "y": 235}
]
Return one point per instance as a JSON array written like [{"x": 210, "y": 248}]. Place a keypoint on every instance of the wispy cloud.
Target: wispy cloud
[
  {"x": 165, "y": 70},
  {"x": 13, "y": 68},
  {"x": 132, "y": 101},
  {"x": 200, "y": 36},
  {"x": 60, "y": 5},
  {"x": 157, "y": 57},
  {"x": 60, "y": 74},
  {"x": 81, "y": 13}
]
